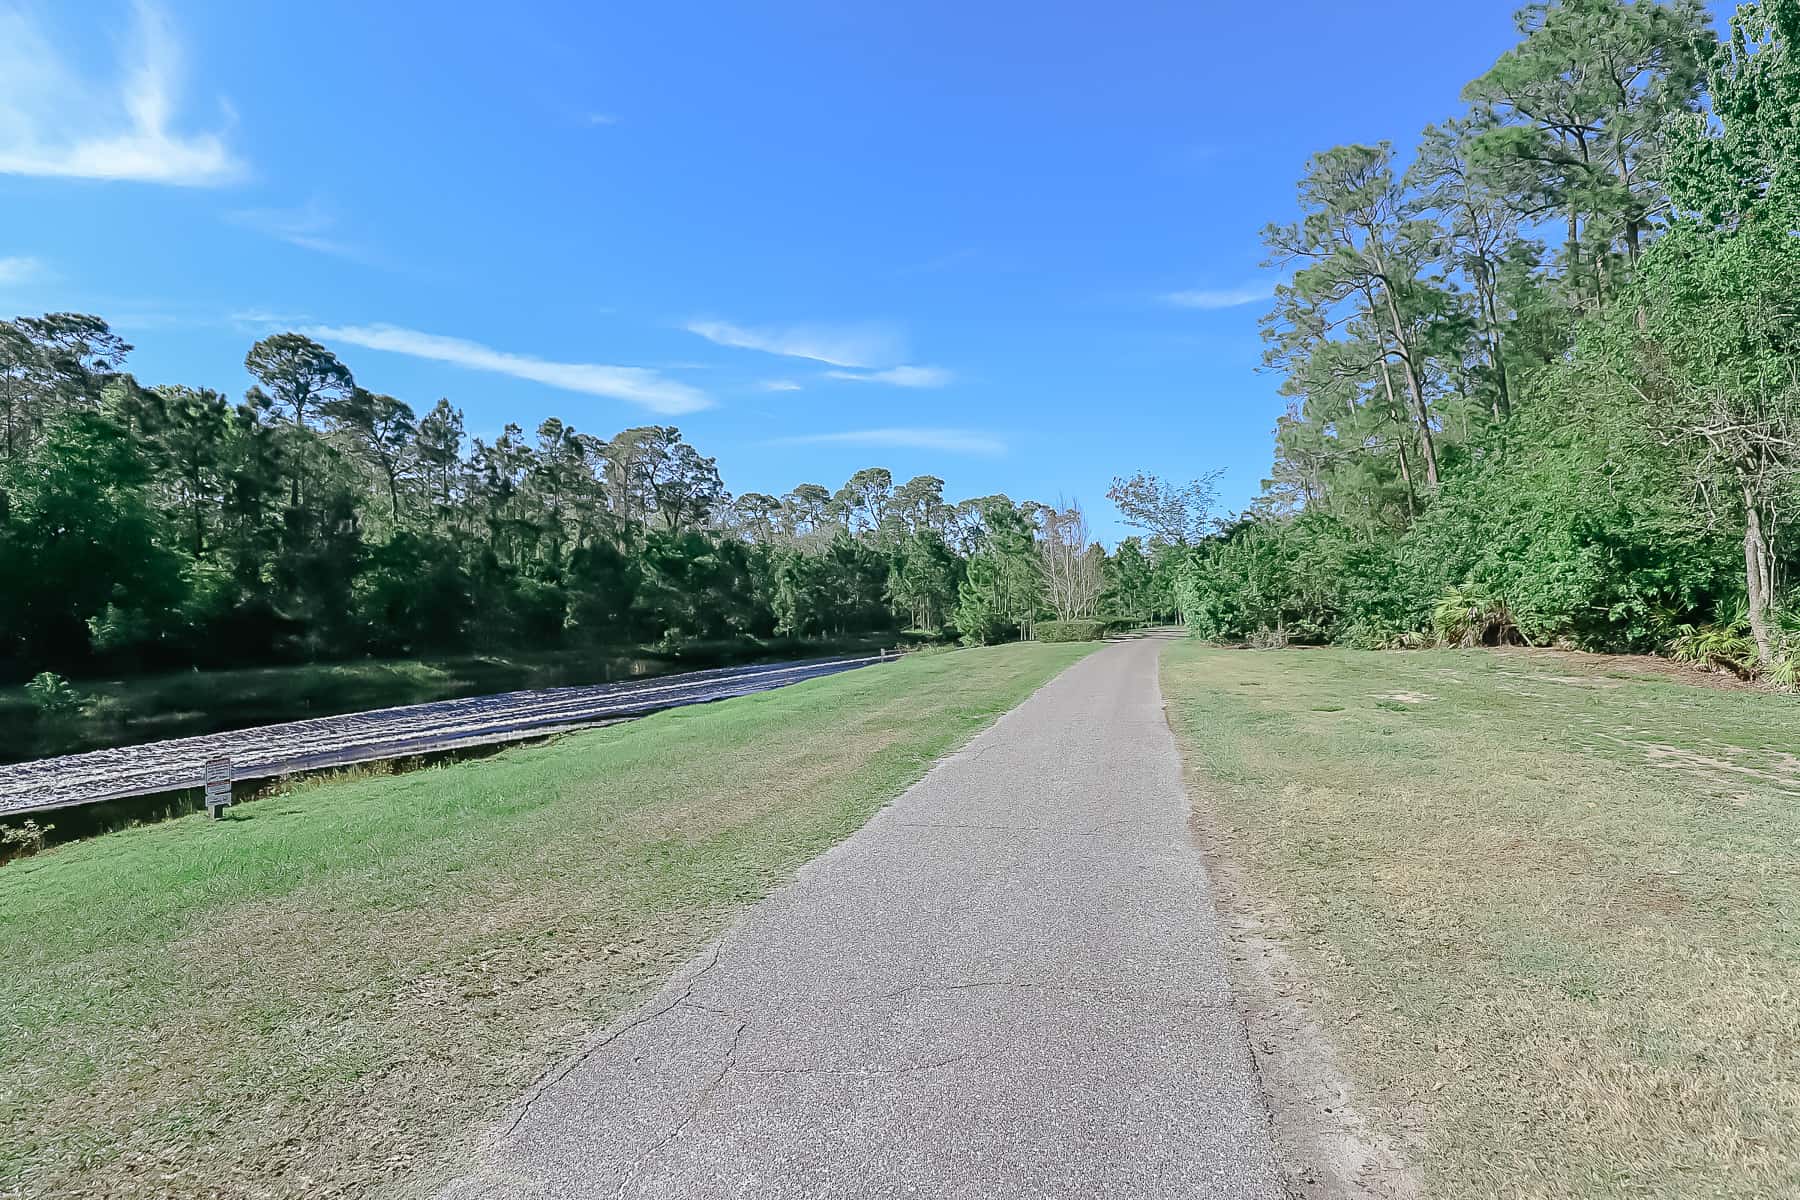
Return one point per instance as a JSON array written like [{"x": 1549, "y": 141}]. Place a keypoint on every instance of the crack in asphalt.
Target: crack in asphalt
[
  {"x": 703, "y": 1099},
  {"x": 971, "y": 754},
  {"x": 689, "y": 1002},
  {"x": 694, "y": 1110},
  {"x": 568, "y": 1068}
]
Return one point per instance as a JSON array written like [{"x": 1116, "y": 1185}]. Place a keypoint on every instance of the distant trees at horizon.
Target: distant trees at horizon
[{"x": 170, "y": 526}]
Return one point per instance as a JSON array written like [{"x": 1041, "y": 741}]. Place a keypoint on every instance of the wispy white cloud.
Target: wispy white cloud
[
  {"x": 602, "y": 118},
  {"x": 862, "y": 346},
  {"x": 312, "y": 226},
  {"x": 950, "y": 441},
  {"x": 1249, "y": 293},
  {"x": 911, "y": 377},
  {"x": 264, "y": 318},
  {"x": 54, "y": 122},
  {"x": 635, "y": 385},
  {"x": 777, "y": 385},
  {"x": 19, "y": 269}
]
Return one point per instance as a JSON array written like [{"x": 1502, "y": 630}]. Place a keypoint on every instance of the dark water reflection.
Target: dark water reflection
[{"x": 186, "y": 704}]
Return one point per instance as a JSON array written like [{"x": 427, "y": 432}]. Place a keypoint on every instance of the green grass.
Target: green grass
[
  {"x": 146, "y": 708},
  {"x": 1552, "y": 915},
  {"x": 325, "y": 992}
]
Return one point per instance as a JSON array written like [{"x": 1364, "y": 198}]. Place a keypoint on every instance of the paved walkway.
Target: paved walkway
[{"x": 1008, "y": 983}]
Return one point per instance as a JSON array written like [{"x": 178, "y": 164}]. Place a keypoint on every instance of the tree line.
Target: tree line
[
  {"x": 1543, "y": 373},
  {"x": 314, "y": 519}
]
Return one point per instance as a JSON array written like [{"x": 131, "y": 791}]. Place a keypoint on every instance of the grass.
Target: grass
[
  {"x": 324, "y": 993},
  {"x": 147, "y": 708},
  {"x": 1550, "y": 916}
]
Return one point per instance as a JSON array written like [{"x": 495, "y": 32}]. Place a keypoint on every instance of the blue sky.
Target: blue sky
[{"x": 1014, "y": 245}]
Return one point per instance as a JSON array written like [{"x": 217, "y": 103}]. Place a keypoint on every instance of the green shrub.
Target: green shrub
[
  {"x": 1725, "y": 645},
  {"x": 1728, "y": 646},
  {"x": 18, "y": 841},
  {"x": 1071, "y": 631},
  {"x": 1470, "y": 615},
  {"x": 981, "y": 625},
  {"x": 1785, "y": 672},
  {"x": 52, "y": 696},
  {"x": 1722, "y": 646},
  {"x": 1307, "y": 579}
]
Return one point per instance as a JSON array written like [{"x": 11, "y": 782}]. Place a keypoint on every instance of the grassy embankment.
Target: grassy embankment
[
  {"x": 144, "y": 708},
  {"x": 323, "y": 993},
  {"x": 1548, "y": 909}
]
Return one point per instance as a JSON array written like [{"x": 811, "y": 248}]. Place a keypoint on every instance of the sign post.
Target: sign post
[{"x": 218, "y": 785}]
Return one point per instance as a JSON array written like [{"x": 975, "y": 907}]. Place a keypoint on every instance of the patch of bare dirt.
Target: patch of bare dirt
[
  {"x": 1728, "y": 767},
  {"x": 1328, "y": 1149},
  {"x": 1584, "y": 667}
]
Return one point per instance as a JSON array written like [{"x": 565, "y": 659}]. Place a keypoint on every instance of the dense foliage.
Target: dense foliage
[
  {"x": 1544, "y": 379},
  {"x": 159, "y": 527},
  {"x": 1085, "y": 630}
]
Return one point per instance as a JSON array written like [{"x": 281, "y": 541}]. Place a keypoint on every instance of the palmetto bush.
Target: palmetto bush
[
  {"x": 1469, "y": 614},
  {"x": 1728, "y": 646}
]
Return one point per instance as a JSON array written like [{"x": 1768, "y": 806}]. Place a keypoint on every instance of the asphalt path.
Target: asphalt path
[{"x": 1010, "y": 982}]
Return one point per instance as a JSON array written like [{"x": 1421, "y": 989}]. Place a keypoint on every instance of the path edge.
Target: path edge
[
  {"x": 1325, "y": 1148},
  {"x": 459, "y": 1177}
]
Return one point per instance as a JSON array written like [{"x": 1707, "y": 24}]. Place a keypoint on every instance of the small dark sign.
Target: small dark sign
[{"x": 218, "y": 785}]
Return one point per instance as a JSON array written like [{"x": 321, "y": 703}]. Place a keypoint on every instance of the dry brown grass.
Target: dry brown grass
[{"x": 1553, "y": 927}]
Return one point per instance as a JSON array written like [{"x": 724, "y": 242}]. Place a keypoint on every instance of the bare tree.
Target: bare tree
[
  {"x": 1176, "y": 514},
  {"x": 1073, "y": 572}
]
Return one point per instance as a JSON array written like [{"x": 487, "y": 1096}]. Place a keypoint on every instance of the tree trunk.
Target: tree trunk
[
  {"x": 1759, "y": 579},
  {"x": 1622, "y": 171},
  {"x": 196, "y": 512},
  {"x": 1412, "y": 495},
  {"x": 1412, "y": 499},
  {"x": 299, "y": 451},
  {"x": 1575, "y": 259},
  {"x": 1490, "y": 310},
  {"x": 1413, "y": 389},
  {"x": 1424, "y": 431}
]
